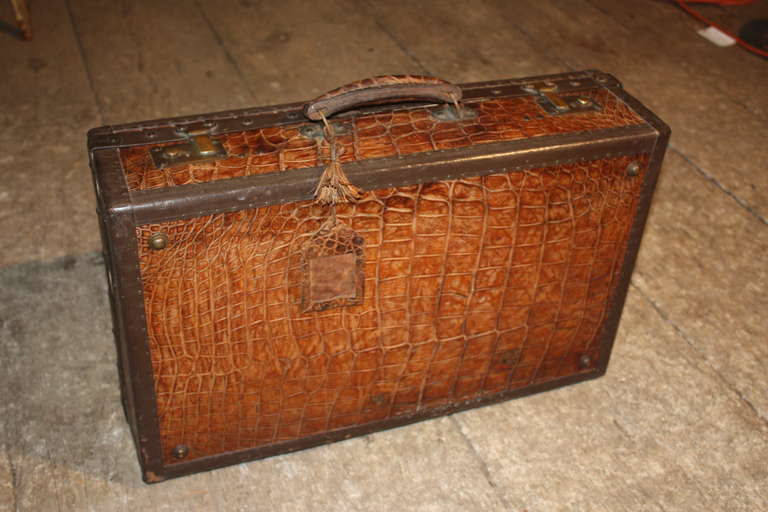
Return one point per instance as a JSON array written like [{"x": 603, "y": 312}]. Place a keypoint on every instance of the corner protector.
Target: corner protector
[
  {"x": 150, "y": 477},
  {"x": 102, "y": 137},
  {"x": 605, "y": 79}
]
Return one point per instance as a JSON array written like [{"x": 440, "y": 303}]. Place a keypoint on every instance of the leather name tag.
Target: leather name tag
[{"x": 332, "y": 268}]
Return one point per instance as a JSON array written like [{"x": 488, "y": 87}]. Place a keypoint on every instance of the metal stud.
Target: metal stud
[
  {"x": 633, "y": 169},
  {"x": 510, "y": 358},
  {"x": 585, "y": 362},
  {"x": 180, "y": 451},
  {"x": 158, "y": 241}
]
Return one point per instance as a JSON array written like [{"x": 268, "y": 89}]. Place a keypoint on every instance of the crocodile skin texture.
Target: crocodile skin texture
[
  {"x": 402, "y": 132},
  {"x": 472, "y": 287}
]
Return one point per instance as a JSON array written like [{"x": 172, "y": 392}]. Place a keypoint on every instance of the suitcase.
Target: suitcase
[{"x": 398, "y": 249}]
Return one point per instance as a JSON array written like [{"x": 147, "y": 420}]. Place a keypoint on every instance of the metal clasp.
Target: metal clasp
[
  {"x": 451, "y": 113},
  {"x": 315, "y": 130},
  {"x": 199, "y": 146},
  {"x": 553, "y": 103}
]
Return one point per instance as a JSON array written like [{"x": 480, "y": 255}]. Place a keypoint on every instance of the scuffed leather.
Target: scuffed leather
[
  {"x": 332, "y": 268},
  {"x": 390, "y": 87},
  {"x": 402, "y": 132},
  {"x": 472, "y": 287}
]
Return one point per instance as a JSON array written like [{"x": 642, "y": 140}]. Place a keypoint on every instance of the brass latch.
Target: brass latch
[
  {"x": 553, "y": 103},
  {"x": 199, "y": 147}
]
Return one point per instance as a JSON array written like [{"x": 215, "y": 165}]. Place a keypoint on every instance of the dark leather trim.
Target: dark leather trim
[
  {"x": 123, "y": 275},
  {"x": 187, "y": 201}
]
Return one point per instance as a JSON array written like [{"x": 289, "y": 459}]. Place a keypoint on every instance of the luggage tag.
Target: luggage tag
[{"x": 332, "y": 260}]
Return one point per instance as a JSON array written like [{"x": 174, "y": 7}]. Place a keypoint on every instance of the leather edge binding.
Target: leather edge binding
[
  {"x": 196, "y": 200},
  {"x": 123, "y": 276}
]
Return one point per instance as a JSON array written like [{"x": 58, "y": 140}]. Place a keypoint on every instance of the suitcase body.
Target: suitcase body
[{"x": 483, "y": 252}]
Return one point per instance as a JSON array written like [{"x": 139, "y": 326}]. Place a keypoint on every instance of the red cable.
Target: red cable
[
  {"x": 723, "y": 2},
  {"x": 684, "y": 6}
]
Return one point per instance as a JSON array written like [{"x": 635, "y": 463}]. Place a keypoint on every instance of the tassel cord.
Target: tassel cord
[{"x": 334, "y": 187}]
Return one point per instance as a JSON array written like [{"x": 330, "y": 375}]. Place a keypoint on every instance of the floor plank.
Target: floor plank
[
  {"x": 703, "y": 264},
  {"x": 304, "y": 50},
  {"x": 155, "y": 59},
  {"x": 46, "y": 205},
  {"x": 464, "y": 45}
]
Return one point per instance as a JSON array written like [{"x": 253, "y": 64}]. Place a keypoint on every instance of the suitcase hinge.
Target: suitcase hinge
[
  {"x": 200, "y": 146},
  {"x": 554, "y": 104}
]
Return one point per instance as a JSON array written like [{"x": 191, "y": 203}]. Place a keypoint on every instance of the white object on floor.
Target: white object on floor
[{"x": 716, "y": 36}]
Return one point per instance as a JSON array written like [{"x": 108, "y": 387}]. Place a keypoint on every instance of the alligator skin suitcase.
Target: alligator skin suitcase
[{"x": 397, "y": 249}]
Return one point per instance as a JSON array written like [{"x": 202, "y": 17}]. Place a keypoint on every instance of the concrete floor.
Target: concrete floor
[{"x": 680, "y": 422}]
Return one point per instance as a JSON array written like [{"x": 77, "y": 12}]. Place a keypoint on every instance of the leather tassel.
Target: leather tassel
[{"x": 334, "y": 186}]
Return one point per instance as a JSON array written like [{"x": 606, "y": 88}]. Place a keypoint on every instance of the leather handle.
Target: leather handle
[{"x": 391, "y": 87}]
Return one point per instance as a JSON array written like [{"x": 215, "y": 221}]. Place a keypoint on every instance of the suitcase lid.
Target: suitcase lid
[{"x": 197, "y": 165}]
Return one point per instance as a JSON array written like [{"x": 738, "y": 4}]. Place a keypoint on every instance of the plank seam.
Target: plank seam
[
  {"x": 86, "y": 64},
  {"x": 483, "y": 464},
  {"x": 691, "y": 343},
  {"x": 709, "y": 177},
  {"x": 407, "y": 51},
  {"x": 223, "y": 47},
  {"x": 14, "y": 480}
]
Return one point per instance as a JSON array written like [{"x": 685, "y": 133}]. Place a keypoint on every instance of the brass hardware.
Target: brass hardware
[
  {"x": 633, "y": 169},
  {"x": 199, "y": 147},
  {"x": 549, "y": 91},
  {"x": 180, "y": 451},
  {"x": 585, "y": 362},
  {"x": 158, "y": 241},
  {"x": 553, "y": 103},
  {"x": 315, "y": 131}
]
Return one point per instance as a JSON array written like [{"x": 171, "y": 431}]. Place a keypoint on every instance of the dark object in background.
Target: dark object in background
[
  {"x": 279, "y": 282},
  {"x": 744, "y": 43},
  {"x": 21, "y": 12},
  {"x": 755, "y": 32}
]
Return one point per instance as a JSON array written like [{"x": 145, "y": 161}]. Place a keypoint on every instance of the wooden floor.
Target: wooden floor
[{"x": 679, "y": 423}]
